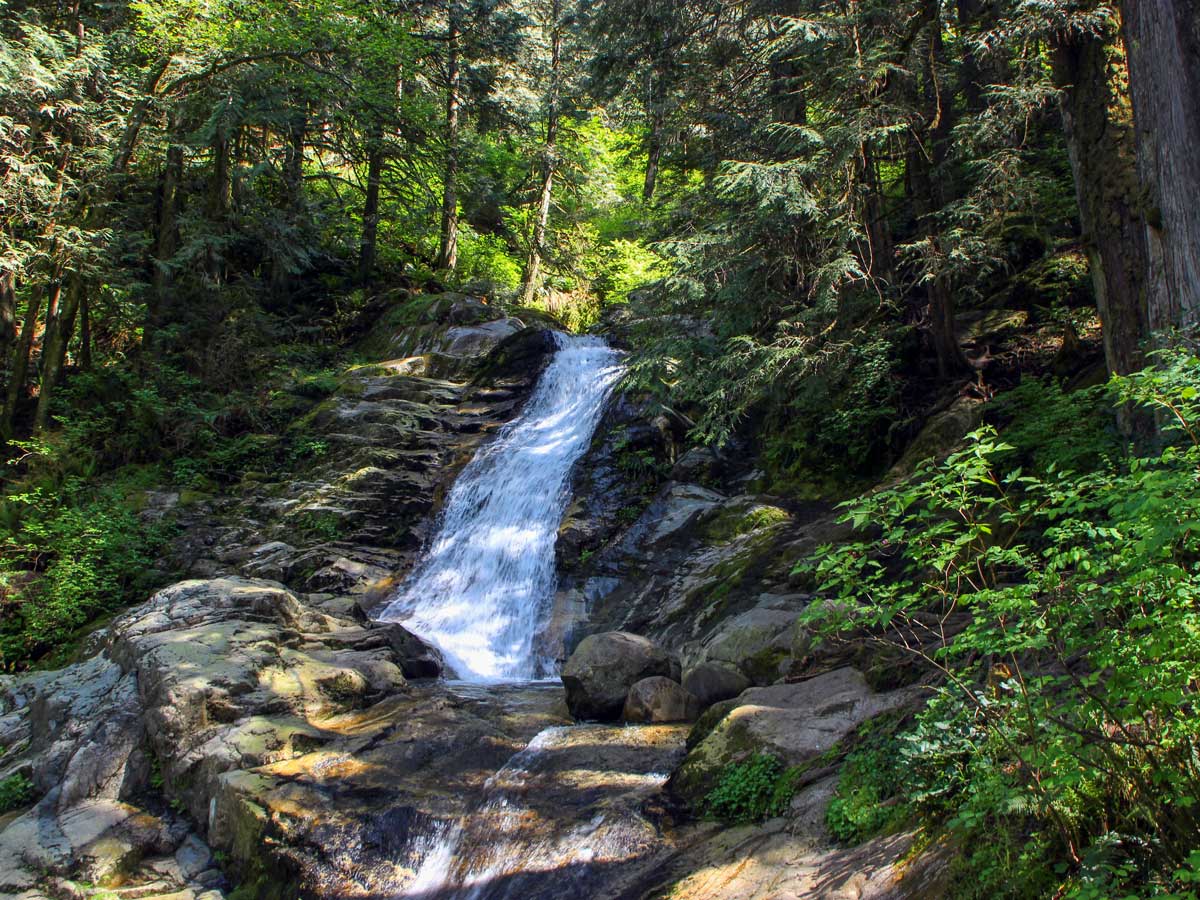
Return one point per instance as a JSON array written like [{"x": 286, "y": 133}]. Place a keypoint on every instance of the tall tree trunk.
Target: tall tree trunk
[
  {"x": 85, "y": 334},
  {"x": 656, "y": 102},
  {"x": 788, "y": 99},
  {"x": 533, "y": 269},
  {"x": 220, "y": 194},
  {"x": 448, "y": 246},
  {"x": 970, "y": 72},
  {"x": 8, "y": 313},
  {"x": 927, "y": 169},
  {"x": 137, "y": 116},
  {"x": 654, "y": 149},
  {"x": 370, "y": 222},
  {"x": 1099, "y": 134},
  {"x": 293, "y": 185},
  {"x": 880, "y": 254},
  {"x": 20, "y": 363},
  {"x": 167, "y": 240},
  {"x": 1163, "y": 41},
  {"x": 54, "y": 350}
]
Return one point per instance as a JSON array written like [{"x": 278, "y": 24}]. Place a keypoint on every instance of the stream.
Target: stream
[{"x": 571, "y": 805}]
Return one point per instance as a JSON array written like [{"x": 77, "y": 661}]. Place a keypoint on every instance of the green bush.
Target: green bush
[
  {"x": 1069, "y": 724},
  {"x": 68, "y": 558},
  {"x": 15, "y": 791},
  {"x": 866, "y": 801},
  {"x": 752, "y": 790},
  {"x": 487, "y": 257},
  {"x": 1050, "y": 427}
]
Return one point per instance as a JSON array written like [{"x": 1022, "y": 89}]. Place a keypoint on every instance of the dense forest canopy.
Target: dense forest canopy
[{"x": 802, "y": 217}]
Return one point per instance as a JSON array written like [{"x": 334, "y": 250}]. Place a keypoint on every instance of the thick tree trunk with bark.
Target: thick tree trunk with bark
[
  {"x": 654, "y": 150},
  {"x": 1163, "y": 42},
  {"x": 20, "y": 364},
  {"x": 976, "y": 19},
  {"x": 533, "y": 268},
  {"x": 880, "y": 252},
  {"x": 220, "y": 194},
  {"x": 8, "y": 314},
  {"x": 293, "y": 184},
  {"x": 370, "y": 226},
  {"x": 927, "y": 164},
  {"x": 167, "y": 240},
  {"x": 448, "y": 246},
  {"x": 54, "y": 349},
  {"x": 1100, "y": 141}
]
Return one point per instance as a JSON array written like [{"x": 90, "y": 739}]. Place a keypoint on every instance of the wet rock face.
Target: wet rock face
[
  {"x": 288, "y": 735},
  {"x": 576, "y": 814},
  {"x": 631, "y": 450},
  {"x": 604, "y": 667},
  {"x": 351, "y": 519}
]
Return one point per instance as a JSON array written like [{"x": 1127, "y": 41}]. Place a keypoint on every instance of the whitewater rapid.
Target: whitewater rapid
[{"x": 483, "y": 590}]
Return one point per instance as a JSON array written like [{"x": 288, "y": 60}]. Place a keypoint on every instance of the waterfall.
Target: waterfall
[{"x": 485, "y": 586}]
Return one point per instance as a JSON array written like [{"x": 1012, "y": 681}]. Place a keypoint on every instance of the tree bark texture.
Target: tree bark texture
[
  {"x": 549, "y": 153},
  {"x": 1163, "y": 42},
  {"x": 370, "y": 224},
  {"x": 1100, "y": 141},
  {"x": 448, "y": 246}
]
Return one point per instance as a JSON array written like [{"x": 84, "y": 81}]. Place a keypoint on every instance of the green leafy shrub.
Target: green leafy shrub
[
  {"x": 67, "y": 558},
  {"x": 1050, "y": 427},
  {"x": 15, "y": 791},
  {"x": 868, "y": 791},
  {"x": 488, "y": 258},
  {"x": 123, "y": 417},
  {"x": 752, "y": 790},
  {"x": 1069, "y": 723}
]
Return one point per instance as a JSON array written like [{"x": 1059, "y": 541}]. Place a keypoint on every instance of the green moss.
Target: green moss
[
  {"x": 708, "y": 722},
  {"x": 307, "y": 423},
  {"x": 763, "y": 666},
  {"x": 733, "y": 523},
  {"x": 321, "y": 525}
]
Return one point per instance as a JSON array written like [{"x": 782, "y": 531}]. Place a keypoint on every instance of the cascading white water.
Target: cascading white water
[{"x": 485, "y": 586}]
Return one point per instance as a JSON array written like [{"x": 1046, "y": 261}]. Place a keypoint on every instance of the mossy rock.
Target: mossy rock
[
  {"x": 795, "y": 723},
  {"x": 733, "y": 522},
  {"x": 191, "y": 497},
  {"x": 709, "y": 720}
]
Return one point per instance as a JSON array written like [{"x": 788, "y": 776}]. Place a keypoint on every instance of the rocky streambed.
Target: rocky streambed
[{"x": 254, "y": 731}]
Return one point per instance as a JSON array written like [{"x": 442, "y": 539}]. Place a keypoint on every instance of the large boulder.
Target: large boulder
[
  {"x": 658, "y": 699},
  {"x": 796, "y": 723},
  {"x": 942, "y": 432},
  {"x": 759, "y": 642},
  {"x": 604, "y": 667},
  {"x": 712, "y": 682}
]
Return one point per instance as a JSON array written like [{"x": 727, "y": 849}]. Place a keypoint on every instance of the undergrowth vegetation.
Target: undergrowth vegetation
[
  {"x": 1057, "y": 602},
  {"x": 77, "y": 542}
]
